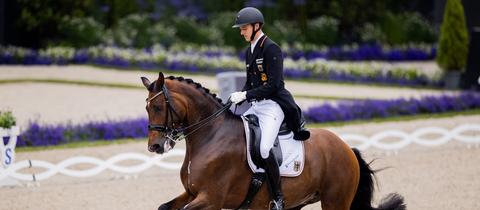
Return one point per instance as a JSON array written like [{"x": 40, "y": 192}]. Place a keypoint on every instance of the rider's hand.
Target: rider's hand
[{"x": 238, "y": 97}]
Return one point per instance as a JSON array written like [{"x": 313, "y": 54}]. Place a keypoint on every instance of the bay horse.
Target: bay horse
[{"x": 215, "y": 173}]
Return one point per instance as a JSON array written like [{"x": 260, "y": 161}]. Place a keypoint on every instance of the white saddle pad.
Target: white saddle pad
[{"x": 293, "y": 153}]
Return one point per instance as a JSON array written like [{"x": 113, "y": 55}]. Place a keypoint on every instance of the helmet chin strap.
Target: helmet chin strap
[{"x": 254, "y": 32}]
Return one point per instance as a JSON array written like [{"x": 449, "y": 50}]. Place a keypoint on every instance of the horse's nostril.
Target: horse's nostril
[{"x": 153, "y": 148}]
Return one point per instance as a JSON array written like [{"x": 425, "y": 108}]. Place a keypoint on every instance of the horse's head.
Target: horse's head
[{"x": 166, "y": 113}]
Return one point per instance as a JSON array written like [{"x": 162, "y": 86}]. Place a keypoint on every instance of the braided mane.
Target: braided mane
[{"x": 197, "y": 86}]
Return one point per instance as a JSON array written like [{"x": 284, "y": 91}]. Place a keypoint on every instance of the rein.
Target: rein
[{"x": 178, "y": 133}]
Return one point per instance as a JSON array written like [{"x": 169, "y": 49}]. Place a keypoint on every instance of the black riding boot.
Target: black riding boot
[
  {"x": 301, "y": 134},
  {"x": 273, "y": 175}
]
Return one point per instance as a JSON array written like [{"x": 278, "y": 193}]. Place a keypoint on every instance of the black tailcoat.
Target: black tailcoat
[{"x": 265, "y": 80}]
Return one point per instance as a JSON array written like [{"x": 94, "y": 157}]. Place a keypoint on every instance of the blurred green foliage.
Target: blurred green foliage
[
  {"x": 140, "y": 23},
  {"x": 322, "y": 31},
  {"x": 371, "y": 33},
  {"x": 284, "y": 31},
  {"x": 407, "y": 27},
  {"x": 223, "y": 23},
  {"x": 133, "y": 31},
  {"x": 40, "y": 18},
  {"x": 189, "y": 30},
  {"x": 80, "y": 31}
]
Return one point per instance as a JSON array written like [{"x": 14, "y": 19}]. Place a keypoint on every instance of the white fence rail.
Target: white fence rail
[
  {"x": 100, "y": 166},
  {"x": 467, "y": 133}
]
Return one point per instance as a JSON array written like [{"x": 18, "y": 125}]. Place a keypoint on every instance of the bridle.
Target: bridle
[{"x": 176, "y": 131}]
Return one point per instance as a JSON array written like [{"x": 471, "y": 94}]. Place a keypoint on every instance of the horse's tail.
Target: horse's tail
[{"x": 363, "y": 196}]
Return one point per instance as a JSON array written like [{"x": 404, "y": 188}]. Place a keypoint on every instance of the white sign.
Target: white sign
[{"x": 8, "y": 150}]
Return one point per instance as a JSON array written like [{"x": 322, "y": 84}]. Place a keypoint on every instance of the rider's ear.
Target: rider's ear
[
  {"x": 146, "y": 82},
  {"x": 160, "y": 82}
]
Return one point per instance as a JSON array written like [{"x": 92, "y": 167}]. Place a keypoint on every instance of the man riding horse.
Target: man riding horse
[
  {"x": 215, "y": 139},
  {"x": 265, "y": 89}
]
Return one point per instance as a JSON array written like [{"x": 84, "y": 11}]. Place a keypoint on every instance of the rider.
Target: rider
[{"x": 265, "y": 89}]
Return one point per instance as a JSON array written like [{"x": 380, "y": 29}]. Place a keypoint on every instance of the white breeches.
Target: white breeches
[{"x": 270, "y": 117}]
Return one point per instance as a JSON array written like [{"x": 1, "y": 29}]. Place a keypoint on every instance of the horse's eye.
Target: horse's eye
[{"x": 156, "y": 108}]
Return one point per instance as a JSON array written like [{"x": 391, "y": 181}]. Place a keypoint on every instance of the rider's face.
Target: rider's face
[{"x": 246, "y": 31}]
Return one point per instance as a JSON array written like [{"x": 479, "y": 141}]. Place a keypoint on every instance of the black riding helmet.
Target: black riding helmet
[{"x": 249, "y": 15}]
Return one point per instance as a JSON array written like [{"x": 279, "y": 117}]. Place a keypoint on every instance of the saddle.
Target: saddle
[
  {"x": 255, "y": 139},
  {"x": 290, "y": 158}
]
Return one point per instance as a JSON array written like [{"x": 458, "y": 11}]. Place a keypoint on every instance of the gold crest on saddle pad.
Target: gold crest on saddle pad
[
  {"x": 296, "y": 166},
  {"x": 264, "y": 77}
]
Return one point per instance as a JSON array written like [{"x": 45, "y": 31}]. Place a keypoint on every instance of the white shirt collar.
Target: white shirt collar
[{"x": 252, "y": 46}]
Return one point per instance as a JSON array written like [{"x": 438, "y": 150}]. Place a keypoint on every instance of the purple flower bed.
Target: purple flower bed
[
  {"x": 337, "y": 76},
  {"x": 377, "y": 79},
  {"x": 369, "y": 109},
  {"x": 366, "y": 52},
  {"x": 44, "y": 135}
]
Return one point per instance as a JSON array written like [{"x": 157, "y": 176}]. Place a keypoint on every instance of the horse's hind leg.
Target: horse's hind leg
[
  {"x": 339, "y": 196},
  {"x": 337, "y": 200},
  {"x": 177, "y": 203}
]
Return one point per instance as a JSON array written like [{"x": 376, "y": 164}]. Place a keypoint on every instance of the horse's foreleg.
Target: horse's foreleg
[
  {"x": 201, "y": 202},
  {"x": 177, "y": 203}
]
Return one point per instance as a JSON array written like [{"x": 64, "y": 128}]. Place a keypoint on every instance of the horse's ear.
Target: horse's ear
[
  {"x": 160, "y": 82},
  {"x": 146, "y": 82}
]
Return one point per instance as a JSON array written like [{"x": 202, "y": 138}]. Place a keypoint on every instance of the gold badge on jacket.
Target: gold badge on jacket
[
  {"x": 264, "y": 77},
  {"x": 259, "y": 64}
]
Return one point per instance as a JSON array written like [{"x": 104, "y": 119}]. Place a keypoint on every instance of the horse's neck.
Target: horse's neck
[
  {"x": 224, "y": 131},
  {"x": 200, "y": 111},
  {"x": 217, "y": 133}
]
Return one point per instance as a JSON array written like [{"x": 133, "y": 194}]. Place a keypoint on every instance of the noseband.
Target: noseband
[{"x": 177, "y": 132}]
